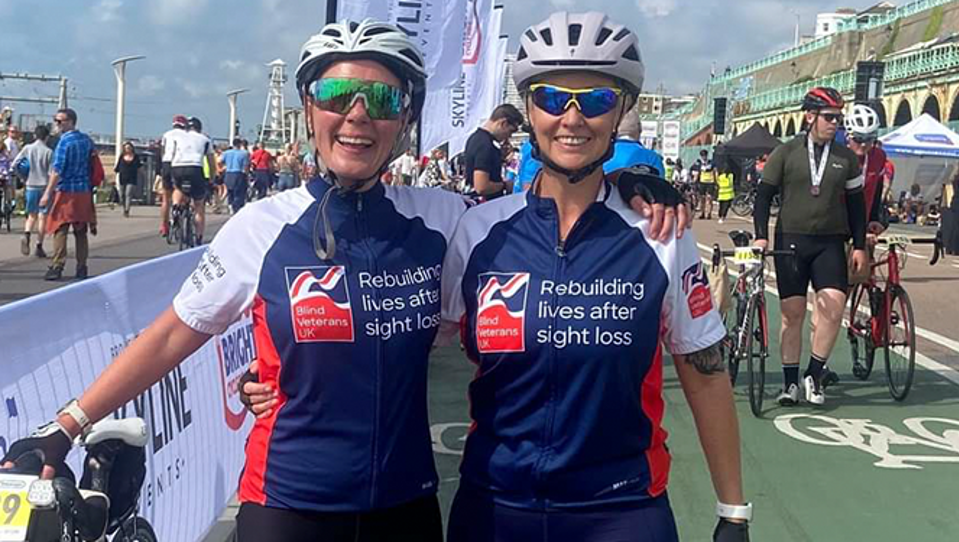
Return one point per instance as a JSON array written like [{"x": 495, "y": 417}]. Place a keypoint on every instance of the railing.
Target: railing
[
  {"x": 923, "y": 61},
  {"x": 847, "y": 25},
  {"x": 772, "y": 60},
  {"x": 890, "y": 17}
]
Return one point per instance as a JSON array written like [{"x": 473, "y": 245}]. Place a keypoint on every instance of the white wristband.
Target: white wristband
[
  {"x": 73, "y": 410},
  {"x": 735, "y": 511}
]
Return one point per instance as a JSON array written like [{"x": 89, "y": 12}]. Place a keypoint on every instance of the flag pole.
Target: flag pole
[{"x": 330, "y": 11}]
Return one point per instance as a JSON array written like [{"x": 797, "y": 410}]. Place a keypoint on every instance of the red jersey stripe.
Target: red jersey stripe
[
  {"x": 654, "y": 407},
  {"x": 253, "y": 479}
]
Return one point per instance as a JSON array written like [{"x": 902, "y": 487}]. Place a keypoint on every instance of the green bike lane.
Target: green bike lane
[{"x": 862, "y": 467}]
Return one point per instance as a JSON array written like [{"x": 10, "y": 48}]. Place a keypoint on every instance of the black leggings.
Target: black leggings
[
  {"x": 415, "y": 521},
  {"x": 724, "y": 208}
]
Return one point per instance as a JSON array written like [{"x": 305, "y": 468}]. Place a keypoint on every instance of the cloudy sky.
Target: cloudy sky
[{"x": 197, "y": 50}]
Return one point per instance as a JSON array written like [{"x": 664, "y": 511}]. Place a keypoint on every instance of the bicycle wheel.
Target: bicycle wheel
[
  {"x": 859, "y": 332},
  {"x": 900, "y": 344},
  {"x": 742, "y": 206},
  {"x": 186, "y": 235},
  {"x": 756, "y": 350},
  {"x": 727, "y": 347},
  {"x": 137, "y": 529}
]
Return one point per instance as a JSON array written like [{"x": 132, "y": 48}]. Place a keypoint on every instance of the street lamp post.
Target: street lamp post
[
  {"x": 232, "y": 97},
  {"x": 796, "y": 38},
  {"x": 119, "y": 69}
]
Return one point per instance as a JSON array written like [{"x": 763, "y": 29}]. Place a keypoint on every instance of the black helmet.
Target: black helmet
[{"x": 195, "y": 124}]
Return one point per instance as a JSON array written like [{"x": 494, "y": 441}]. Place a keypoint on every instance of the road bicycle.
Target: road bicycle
[
  {"x": 747, "y": 337},
  {"x": 182, "y": 231},
  {"x": 7, "y": 205},
  {"x": 690, "y": 195},
  {"x": 106, "y": 502},
  {"x": 881, "y": 316},
  {"x": 745, "y": 202}
]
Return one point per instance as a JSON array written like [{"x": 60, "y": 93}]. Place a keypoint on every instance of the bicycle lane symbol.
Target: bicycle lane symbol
[
  {"x": 440, "y": 436},
  {"x": 941, "y": 434}
]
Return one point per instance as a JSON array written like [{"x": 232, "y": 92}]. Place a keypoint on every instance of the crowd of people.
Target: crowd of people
[
  {"x": 363, "y": 88},
  {"x": 580, "y": 225}
]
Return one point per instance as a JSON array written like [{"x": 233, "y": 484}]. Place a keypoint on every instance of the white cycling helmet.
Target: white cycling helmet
[
  {"x": 579, "y": 42},
  {"x": 367, "y": 40},
  {"x": 863, "y": 121}
]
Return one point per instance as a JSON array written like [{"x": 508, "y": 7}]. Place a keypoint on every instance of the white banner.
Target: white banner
[
  {"x": 435, "y": 25},
  {"x": 671, "y": 138},
  {"x": 648, "y": 133},
  {"x": 55, "y": 344},
  {"x": 453, "y": 113}
]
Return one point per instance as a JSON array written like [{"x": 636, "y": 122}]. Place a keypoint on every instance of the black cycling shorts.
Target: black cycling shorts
[
  {"x": 418, "y": 520},
  {"x": 474, "y": 517},
  {"x": 166, "y": 175},
  {"x": 708, "y": 189},
  {"x": 190, "y": 181},
  {"x": 819, "y": 258}
]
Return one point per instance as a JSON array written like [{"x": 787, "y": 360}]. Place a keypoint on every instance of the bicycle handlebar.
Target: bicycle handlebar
[
  {"x": 719, "y": 253},
  {"x": 938, "y": 250}
]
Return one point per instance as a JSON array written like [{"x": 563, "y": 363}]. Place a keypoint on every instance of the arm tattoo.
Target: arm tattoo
[{"x": 707, "y": 361}]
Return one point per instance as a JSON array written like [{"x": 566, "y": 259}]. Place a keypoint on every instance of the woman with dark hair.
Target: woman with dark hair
[{"x": 127, "y": 167}]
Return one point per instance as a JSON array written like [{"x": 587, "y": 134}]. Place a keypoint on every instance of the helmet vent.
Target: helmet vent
[
  {"x": 604, "y": 35},
  {"x": 547, "y": 35},
  {"x": 353, "y": 26},
  {"x": 332, "y": 32},
  {"x": 531, "y": 35},
  {"x": 377, "y": 31},
  {"x": 622, "y": 34},
  {"x": 521, "y": 54},
  {"x": 410, "y": 55},
  {"x": 575, "y": 30},
  {"x": 631, "y": 54}
]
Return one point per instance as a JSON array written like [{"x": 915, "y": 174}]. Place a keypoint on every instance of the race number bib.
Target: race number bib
[
  {"x": 14, "y": 508},
  {"x": 747, "y": 256}
]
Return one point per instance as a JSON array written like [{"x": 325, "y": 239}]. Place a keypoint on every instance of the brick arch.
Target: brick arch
[
  {"x": 790, "y": 127},
  {"x": 930, "y": 105},
  {"x": 954, "y": 109},
  {"x": 903, "y": 113}
]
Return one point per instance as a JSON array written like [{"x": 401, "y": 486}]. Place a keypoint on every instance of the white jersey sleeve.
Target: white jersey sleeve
[
  {"x": 690, "y": 319},
  {"x": 225, "y": 281}
]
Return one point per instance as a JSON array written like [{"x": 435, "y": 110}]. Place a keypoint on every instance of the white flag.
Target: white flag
[
  {"x": 453, "y": 113},
  {"x": 436, "y": 26}
]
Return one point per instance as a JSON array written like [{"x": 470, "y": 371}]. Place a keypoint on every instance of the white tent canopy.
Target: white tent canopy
[{"x": 924, "y": 136}]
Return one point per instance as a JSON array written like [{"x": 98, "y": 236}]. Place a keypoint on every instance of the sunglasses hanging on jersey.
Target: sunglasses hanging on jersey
[
  {"x": 591, "y": 102},
  {"x": 339, "y": 95}
]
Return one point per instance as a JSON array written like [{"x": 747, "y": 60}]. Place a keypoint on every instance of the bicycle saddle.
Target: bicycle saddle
[
  {"x": 132, "y": 431},
  {"x": 89, "y": 509},
  {"x": 740, "y": 238}
]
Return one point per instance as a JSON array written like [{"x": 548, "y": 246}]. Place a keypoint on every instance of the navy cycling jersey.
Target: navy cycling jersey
[
  {"x": 567, "y": 400},
  {"x": 345, "y": 342}
]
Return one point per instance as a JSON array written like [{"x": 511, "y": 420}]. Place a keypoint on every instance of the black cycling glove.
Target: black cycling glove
[
  {"x": 48, "y": 445},
  {"x": 646, "y": 182},
  {"x": 727, "y": 531},
  {"x": 248, "y": 376}
]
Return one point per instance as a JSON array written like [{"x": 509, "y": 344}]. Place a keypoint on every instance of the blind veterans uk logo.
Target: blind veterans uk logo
[
  {"x": 320, "y": 304},
  {"x": 501, "y": 315},
  {"x": 696, "y": 289}
]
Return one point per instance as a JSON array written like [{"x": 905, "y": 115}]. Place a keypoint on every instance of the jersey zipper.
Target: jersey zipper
[
  {"x": 560, "y": 249},
  {"x": 377, "y": 355}
]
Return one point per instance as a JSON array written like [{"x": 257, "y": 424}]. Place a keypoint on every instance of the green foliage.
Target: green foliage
[
  {"x": 934, "y": 24},
  {"x": 890, "y": 45}
]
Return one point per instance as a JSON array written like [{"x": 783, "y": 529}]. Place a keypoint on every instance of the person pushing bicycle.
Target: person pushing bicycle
[{"x": 821, "y": 186}]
